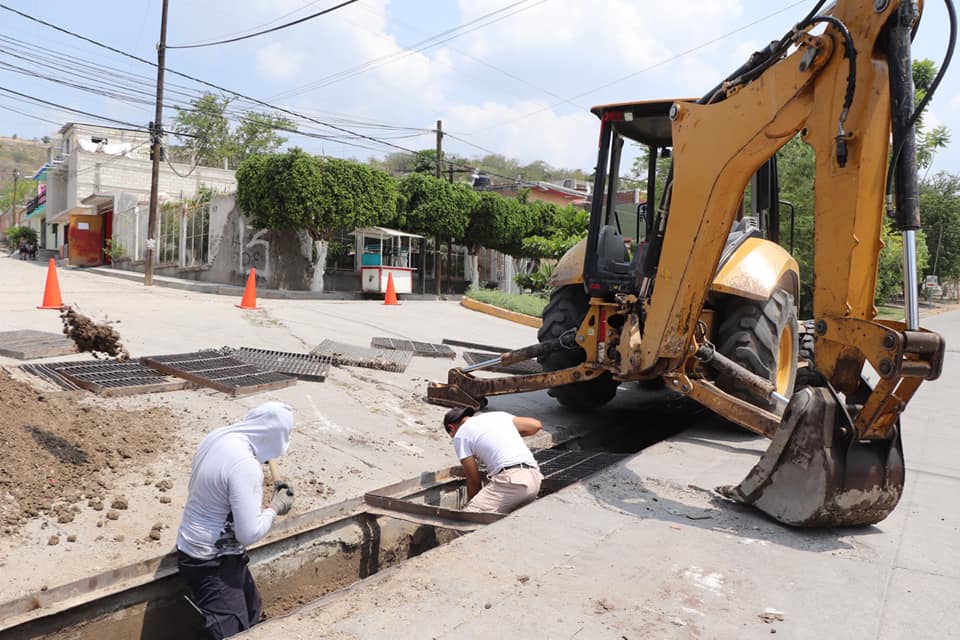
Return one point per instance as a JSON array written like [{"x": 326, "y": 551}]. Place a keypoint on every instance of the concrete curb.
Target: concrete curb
[
  {"x": 512, "y": 316},
  {"x": 237, "y": 290}
]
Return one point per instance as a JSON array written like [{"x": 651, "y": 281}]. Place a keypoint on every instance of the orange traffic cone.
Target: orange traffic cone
[
  {"x": 391, "y": 297},
  {"x": 249, "y": 300},
  {"x": 51, "y": 291}
]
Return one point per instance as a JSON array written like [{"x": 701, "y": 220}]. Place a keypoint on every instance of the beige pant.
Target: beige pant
[{"x": 506, "y": 491}]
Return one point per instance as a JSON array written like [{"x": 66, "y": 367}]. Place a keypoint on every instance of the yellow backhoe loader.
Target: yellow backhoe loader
[{"x": 706, "y": 300}]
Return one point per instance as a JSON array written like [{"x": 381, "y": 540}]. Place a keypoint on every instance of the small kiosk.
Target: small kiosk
[{"x": 384, "y": 252}]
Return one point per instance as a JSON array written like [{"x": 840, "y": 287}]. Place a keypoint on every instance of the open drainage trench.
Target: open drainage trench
[{"x": 316, "y": 553}]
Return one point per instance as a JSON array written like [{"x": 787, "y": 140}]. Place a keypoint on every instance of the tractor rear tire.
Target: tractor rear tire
[
  {"x": 763, "y": 338},
  {"x": 567, "y": 308},
  {"x": 807, "y": 376}
]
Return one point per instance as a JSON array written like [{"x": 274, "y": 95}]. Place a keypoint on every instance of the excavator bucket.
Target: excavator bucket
[{"x": 815, "y": 474}]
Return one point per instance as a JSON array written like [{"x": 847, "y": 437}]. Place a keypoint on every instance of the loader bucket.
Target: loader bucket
[{"x": 816, "y": 475}]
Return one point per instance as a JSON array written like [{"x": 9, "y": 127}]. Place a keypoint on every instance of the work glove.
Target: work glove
[{"x": 282, "y": 500}]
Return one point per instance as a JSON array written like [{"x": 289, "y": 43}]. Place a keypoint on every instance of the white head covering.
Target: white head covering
[{"x": 267, "y": 428}]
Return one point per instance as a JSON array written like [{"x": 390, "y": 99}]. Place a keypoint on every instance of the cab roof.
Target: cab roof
[{"x": 648, "y": 121}]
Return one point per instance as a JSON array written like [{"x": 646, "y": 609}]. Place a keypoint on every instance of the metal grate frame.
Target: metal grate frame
[
  {"x": 353, "y": 356},
  {"x": 223, "y": 373},
  {"x": 304, "y": 366},
  {"x": 424, "y": 349},
  {"x": 117, "y": 378},
  {"x": 522, "y": 368}
]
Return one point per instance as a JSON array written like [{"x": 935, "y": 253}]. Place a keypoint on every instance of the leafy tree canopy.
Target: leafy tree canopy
[
  {"x": 436, "y": 207},
  {"x": 296, "y": 191},
  {"x": 209, "y": 137}
]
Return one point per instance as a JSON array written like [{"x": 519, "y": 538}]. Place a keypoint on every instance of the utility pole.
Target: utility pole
[
  {"x": 156, "y": 135},
  {"x": 436, "y": 240},
  {"x": 13, "y": 198}
]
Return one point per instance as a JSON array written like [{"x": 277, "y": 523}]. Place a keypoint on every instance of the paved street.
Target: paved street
[{"x": 644, "y": 550}]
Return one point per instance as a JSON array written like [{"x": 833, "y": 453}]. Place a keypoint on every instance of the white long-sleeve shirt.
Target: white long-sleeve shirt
[{"x": 223, "y": 512}]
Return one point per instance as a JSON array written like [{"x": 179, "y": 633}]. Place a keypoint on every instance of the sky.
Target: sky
[{"x": 515, "y": 77}]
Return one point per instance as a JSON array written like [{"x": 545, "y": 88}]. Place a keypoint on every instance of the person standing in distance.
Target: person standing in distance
[
  {"x": 495, "y": 441},
  {"x": 223, "y": 516}
]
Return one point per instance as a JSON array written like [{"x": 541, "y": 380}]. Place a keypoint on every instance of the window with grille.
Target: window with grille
[
  {"x": 197, "y": 228},
  {"x": 168, "y": 245}
]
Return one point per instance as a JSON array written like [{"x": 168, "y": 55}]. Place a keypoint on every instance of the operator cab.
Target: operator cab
[{"x": 610, "y": 266}]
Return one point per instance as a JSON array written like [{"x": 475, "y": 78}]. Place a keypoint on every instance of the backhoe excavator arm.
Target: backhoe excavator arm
[{"x": 836, "y": 89}]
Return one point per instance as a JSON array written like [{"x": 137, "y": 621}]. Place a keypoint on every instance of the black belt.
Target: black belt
[{"x": 521, "y": 465}]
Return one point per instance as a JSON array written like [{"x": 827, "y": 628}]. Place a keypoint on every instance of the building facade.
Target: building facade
[{"x": 97, "y": 179}]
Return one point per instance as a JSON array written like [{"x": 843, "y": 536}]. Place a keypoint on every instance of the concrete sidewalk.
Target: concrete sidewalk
[{"x": 646, "y": 550}]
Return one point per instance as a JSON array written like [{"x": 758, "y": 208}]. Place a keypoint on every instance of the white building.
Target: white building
[{"x": 101, "y": 175}]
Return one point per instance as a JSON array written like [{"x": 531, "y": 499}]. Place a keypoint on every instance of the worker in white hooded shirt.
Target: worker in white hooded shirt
[{"x": 223, "y": 515}]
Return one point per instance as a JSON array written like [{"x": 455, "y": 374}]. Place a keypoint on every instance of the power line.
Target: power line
[
  {"x": 260, "y": 33},
  {"x": 404, "y": 52},
  {"x": 263, "y": 24},
  {"x": 645, "y": 69},
  {"x": 65, "y": 108},
  {"x": 29, "y": 115},
  {"x": 352, "y": 134}
]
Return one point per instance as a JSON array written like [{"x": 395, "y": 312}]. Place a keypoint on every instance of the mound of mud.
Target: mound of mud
[
  {"x": 58, "y": 450},
  {"x": 91, "y": 336}
]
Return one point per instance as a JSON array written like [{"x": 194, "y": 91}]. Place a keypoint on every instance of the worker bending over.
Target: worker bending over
[
  {"x": 223, "y": 516},
  {"x": 495, "y": 441}
]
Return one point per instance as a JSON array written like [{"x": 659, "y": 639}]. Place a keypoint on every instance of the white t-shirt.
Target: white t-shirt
[
  {"x": 223, "y": 514},
  {"x": 494, "y": 440}
]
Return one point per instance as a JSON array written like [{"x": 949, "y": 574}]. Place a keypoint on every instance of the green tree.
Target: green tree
[
  {"x": 297, "y": 192},
  {"x": 940, "y": 208},
  {"x": 556, "y": 230},
  {"x": 890, "y": 269},
  {"x": 205, "y": 128},
  {"x": 26, "y": 189},
  {"x": 438, "y": 209}
]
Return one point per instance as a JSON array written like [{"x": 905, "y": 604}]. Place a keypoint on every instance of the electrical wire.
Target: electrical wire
[
  {"x": 351, "y": 134},
  {"x": 78, "y": 111},
  {"x": 651, "y": 67},
  {"x": 262, "y": 24},
  {"x": 265, "y": 31},
  {"x": 947, "y": 58},
  {"x": 29, "y": 115},
  {"x": 427, "y": 43}
]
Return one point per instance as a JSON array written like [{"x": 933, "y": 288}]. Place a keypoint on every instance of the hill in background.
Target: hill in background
[{"x": 28, "y": 155}]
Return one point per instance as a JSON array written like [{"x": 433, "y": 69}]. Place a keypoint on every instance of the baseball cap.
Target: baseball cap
[{"x": 457, "y": 414}]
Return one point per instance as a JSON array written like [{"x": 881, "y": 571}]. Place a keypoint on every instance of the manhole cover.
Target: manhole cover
[
  {"x": 27, "y": 344},
  {"x": 425, "y": 349},
  {"x": 305, "y": 366},
  {"x": 223, "y": 373},
  {"x": 521, "y": 368},
  {"x": 354, "y": 356}
]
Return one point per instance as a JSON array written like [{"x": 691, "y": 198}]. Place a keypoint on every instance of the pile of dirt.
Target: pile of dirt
[
  {"x": 59, "y": 451},
  {"x": 91, "y": 336}
]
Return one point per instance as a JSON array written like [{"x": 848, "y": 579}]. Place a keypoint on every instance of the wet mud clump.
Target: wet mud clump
[{"x": 98, "y": 339}]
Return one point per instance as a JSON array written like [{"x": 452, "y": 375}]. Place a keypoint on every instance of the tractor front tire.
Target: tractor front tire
[
  {"x": 763, "y": 338},
  {"x": 567, "y": 308}
]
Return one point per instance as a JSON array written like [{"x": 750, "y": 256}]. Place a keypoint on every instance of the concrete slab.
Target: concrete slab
[{"x": 647, "y": 550}]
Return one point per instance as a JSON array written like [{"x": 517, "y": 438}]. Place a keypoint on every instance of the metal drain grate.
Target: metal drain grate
[
  {"x": 475, "y": 345},
  {"x": 28, "y": 344},
  {"x": 117, "y": 378},
  {"x": 563, "y": 468},
  {"x": 223, "y": 373},
  {"x": 353, "y": 356},
  {"x": 425, "y": 349},
  {"x": 48, "y": 373},
  {"x": 305, "y": 366},
  {"x": 522, "y": 368}
]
